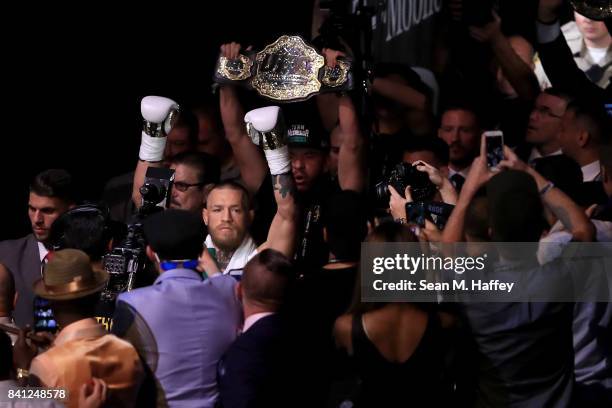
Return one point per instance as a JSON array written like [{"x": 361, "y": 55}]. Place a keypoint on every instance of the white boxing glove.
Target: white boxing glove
[
  {"x": 265, "y": 126},
  {"x": 263, "y": 119},
  {"x": 159, "y": 116}
]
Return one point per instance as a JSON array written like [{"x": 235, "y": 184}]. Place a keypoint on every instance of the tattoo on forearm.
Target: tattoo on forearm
[{"x": 284, "y": 184}]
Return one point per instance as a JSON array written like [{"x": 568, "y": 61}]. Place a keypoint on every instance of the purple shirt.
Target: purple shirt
[{"x": 181, "y": 326}]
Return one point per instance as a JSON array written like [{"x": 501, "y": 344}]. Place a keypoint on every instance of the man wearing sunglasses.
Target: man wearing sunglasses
[{"x": 193, "y": 171}]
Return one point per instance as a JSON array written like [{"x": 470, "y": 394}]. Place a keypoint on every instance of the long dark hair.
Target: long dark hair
[{"x": 385, "y": 232}]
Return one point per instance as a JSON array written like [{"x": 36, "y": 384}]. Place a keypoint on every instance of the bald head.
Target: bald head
[
  {"x": 7, "y": 291},
  {"x": 266, "y": 280}
]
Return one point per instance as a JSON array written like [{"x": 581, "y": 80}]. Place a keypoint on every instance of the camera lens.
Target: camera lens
[{"x": 152, "y": 193}]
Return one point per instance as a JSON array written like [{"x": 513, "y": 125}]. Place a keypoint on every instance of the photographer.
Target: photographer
[
  {"x": 88, "y": 228},
  {"x": 193, "y": 171},
  {"x": 445, "y": 193},
  {"x": 119, "y": 191}
]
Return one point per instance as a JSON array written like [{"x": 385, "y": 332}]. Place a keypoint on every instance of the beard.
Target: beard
[{"x": 226, "y": 241}]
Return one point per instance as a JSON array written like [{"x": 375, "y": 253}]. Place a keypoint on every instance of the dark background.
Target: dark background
[{"x": 73, "y": 80}]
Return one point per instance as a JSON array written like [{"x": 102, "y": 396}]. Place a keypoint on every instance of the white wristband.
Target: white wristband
[
  {"x": 278, "y": 160},
  {"x": 152, "y": 148}
]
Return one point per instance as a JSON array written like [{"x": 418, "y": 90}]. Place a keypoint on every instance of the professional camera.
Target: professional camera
[
  {"x": 124, "y": 262},
  {"x": 156, "y": 190},
  {"x": 404, "y": 174},
  {"x": 128, "y": 259}
]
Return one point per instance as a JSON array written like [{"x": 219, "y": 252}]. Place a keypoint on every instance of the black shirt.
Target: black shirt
[{"x": 312, "y": 251}]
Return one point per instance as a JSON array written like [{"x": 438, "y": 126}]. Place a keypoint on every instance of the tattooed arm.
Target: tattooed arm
[{"x": 282, "y": 233}]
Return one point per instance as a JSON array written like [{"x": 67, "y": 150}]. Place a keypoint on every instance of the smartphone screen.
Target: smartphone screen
[
  {"x": 43, "y": 316},
  {"x": 494, "y": 142},
  {"x": 608, "y": 107}
]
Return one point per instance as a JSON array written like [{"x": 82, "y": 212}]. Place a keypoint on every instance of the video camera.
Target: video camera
[
  {"x": 128, "y": 259},
  {"x": 123, "y": 262}
]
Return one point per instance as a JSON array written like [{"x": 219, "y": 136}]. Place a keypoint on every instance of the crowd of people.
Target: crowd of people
[{"x": 249, "y": 291}]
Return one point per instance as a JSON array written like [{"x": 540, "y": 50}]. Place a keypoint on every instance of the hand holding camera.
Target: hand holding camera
[
  {"x": 397, "y": 202},
  {"x": 403, "y": 175},
  {"x": 446, "y": 189}
]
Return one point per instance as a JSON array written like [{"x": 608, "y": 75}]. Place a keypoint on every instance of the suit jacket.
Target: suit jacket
[
  {"x": 254, "y": 371},
  {"x": 22, "y": 258},
  {"x": 181, "y": 326}
]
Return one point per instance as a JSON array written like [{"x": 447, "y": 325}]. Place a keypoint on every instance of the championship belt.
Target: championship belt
[{"x": 288, "y": 70}]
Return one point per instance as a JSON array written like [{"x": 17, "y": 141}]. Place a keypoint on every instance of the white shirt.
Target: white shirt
[
  {"x": 252, "y": 319},
  {"x": 551, "y": 246},
  {"x": 241, "y": 256},
  {"x": 463, "y": 172},
  {"x": 591, "y": 171},
  {"x": 42, "y": 251},
  {"x": 597, "y": 54}
]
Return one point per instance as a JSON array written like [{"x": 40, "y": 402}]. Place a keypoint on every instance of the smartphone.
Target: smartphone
[
  {"x": 494, "y": 144},
  {"x": 43, "y": 316},
  {"x": 608, "y": 107}
]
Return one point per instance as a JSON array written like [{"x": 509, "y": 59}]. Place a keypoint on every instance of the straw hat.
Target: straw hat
[{"x": 69, "y": 275}]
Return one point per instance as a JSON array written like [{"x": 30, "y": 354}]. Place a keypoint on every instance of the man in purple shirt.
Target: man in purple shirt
[{"x": 182, "y": 324}]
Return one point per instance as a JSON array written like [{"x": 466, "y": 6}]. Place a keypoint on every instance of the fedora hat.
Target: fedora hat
[{"x": 69, "y": 275}]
